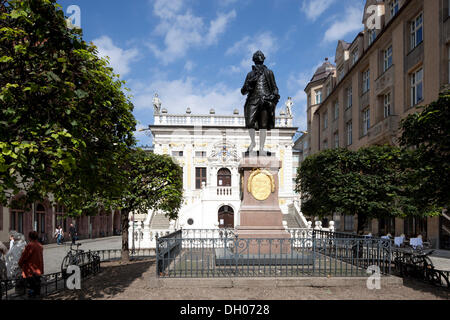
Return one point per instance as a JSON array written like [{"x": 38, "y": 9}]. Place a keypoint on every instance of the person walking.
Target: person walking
[
  {"x": 11, "y": 240},
  {"x": 73, "y": 233},
  {"x": 32, "y": 264},
  {"x": 59, "y": 235}
]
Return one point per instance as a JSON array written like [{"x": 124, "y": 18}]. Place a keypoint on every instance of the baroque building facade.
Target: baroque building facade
[{"x": 377, "y": 80}]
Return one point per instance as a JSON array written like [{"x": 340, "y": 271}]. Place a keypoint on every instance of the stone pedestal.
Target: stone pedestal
[{"x": 260, "y": 213}]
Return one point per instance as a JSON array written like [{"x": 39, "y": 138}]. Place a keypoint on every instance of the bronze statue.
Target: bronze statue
[{"x": 262, "y": 100}]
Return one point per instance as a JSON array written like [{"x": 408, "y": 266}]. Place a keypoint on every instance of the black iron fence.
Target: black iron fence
[
  {"x": 89, "y": 263},
  {"x": 14, "y": 289},
  {"x": 320, "y": 255}
]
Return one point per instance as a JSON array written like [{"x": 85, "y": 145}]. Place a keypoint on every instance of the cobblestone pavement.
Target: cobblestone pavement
[
  {"x": 136, "y": 281},
  {"x": 54, "y": 254}
]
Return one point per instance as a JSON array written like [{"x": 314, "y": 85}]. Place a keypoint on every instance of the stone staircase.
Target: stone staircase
[
  {"x": 159, "y": 222},
  {"x": 291, "y": 221},
  {"x": 294, "y": 217}
]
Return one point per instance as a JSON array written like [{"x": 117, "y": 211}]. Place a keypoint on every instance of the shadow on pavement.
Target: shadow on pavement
[
  {"x": 114, "y": 279},
  {"x": 417, "y": 285}
]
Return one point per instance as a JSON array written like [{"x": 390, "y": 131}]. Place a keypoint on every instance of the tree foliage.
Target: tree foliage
[
  {"x": 427, "y": 133},
  {"x": 64, "y": 118},
  {"x": 151, "y": 182},
  {"x": 369, "y": 182}
]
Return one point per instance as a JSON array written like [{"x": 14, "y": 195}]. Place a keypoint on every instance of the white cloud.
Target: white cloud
[
  {"x": 189, "y": 65},
  {"x": 178, "y": 95},
  {"x": 314, "y": 8},
  {"x": 120, "y": 59},
  {"x": 247, "y": 46},
  {"x": 218, "y": 26},
  {"x": 350, "y": 22},
  {"x": 181, "y": 29}
]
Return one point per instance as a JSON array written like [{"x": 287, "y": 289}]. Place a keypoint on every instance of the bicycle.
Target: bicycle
[{"x": 73, "y": 257}]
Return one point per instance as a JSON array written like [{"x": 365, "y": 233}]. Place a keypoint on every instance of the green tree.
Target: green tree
[
  {"x": 427, "y": 133},
  {"x": 151, "y": 182},
  {"x": 369, "y": 182},
  {"x": 65, "y": 120}
]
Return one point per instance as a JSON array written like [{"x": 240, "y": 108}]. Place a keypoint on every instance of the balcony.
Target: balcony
[
  {"x": 384, "y": 81},
  {"x": 384, "y": 130},
  {"x": 221, "y": 193}
]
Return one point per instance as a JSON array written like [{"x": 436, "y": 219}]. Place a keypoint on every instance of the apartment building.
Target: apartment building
[{"x": 377, "y": 80}]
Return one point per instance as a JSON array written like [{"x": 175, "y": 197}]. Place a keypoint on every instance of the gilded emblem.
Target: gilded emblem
[{"x": 261, "y": 184}]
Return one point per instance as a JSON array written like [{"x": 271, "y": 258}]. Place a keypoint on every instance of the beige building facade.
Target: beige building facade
[{"x": 377, "y": 80}]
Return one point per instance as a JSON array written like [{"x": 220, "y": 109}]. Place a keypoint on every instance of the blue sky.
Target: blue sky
[{"x": 196, "y": 53}]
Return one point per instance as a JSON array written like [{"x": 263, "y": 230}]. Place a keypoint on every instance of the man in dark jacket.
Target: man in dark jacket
[
  {"x": 73, "y": 233},
  {"x": 262, "y": 99},
  {"x": 32, "y": 264}
]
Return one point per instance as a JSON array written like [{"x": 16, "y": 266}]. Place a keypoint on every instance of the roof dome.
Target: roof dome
[{"x": 323, "y": 71}]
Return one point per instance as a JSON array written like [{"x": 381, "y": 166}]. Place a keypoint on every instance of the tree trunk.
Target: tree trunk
[{"x": 125, "y": 249}]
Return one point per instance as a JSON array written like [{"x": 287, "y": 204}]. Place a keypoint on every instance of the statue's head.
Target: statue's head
[{"x": 258, "y": 57}]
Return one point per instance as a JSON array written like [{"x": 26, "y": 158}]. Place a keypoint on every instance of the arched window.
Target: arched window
[{"x": 224, "y": 178}]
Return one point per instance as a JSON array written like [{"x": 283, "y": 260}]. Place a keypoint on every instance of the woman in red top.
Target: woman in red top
[{"x": 32, "y": 264}]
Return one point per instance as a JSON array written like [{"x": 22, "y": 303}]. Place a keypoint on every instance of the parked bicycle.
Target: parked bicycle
[{"x": 73, "y": 257}]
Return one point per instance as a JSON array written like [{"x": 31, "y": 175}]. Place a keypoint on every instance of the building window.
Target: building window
[
  {"x": 366, "y": 81},
  {"x": 328, "y": 89},
  {"x": 416, "y": 87},
  {"x": 348, "y": 223},
  {"x": 325, "y": 120},
  {"x": 349, "y": 97},
  {"x": 386, "y": 225},
  {"x": 200, "y": 154},
  {"x": 336, "y": 110},
  {"x": 366, "y": 121},
  {"x": 190, "y": 221},
  {"x": 413, "y": 226},
  {"x": 349, "y": 133},
  {"x": 224, "y": 178},
  {"x": 336, "y": 140},
  {"x": 39, "y": 219},
  {"x": 325, "y": 144},
  {"x": 309, "y": 100},
  {"x": 177, "y": 153},
  {"x": 59, "y": 217},
  {"x": 318, "y": 96},
  {"x": 200, "y": 177},
  {"x": 387, "y": 105},
  {"x": 417, "y": 31},
  {"x": 393, "y": 6},
  {"x": 372, "y": 36},
  {"x": 16, "y": 220},
  {"x": 387, "y": 58},
  {"x": 355, "y": 56}
]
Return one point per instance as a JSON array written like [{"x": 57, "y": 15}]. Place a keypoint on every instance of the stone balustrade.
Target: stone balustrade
[{"x": 213, "y": 120}]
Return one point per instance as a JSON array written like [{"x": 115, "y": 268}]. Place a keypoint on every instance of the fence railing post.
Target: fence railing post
[{"x": 157, "y": 254}]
